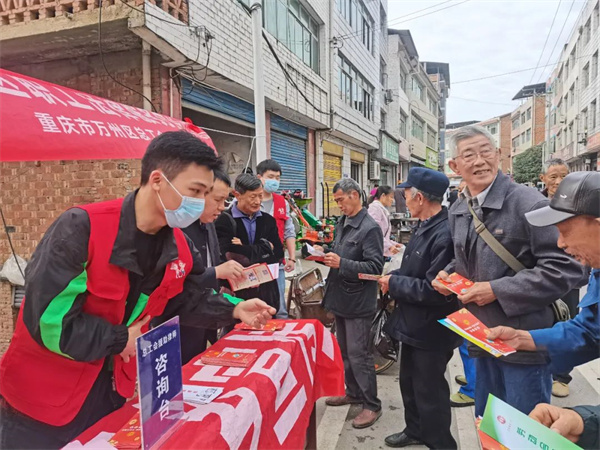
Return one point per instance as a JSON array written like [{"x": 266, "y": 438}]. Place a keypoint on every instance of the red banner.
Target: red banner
[
  {"x": 266, "y": 405},
  {"x": 41, "y": 121}
]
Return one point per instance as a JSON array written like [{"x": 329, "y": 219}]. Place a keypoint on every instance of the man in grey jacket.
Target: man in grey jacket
[
  {"x": 357, "y": 248},
  {"x": 500, "y": 296}
]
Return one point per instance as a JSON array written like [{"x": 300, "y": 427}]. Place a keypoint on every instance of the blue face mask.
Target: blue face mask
[
  {"x": 271, "y": 185},
  {"x": 186, "y": 214}
]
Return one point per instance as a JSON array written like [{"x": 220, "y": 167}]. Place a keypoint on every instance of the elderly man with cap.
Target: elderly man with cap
[
  {"x": 575, "y": 211},
  {"x": 426, "y": 346}
]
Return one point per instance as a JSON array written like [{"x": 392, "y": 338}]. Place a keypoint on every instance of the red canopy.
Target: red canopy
[{"x": 43, "y": 121}]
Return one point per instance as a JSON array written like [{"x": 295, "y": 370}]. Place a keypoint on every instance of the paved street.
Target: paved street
[{"x": 335, "y": 430}]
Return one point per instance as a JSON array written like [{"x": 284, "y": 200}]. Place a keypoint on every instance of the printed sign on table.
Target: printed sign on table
[
  {"x": 515, "y": 430},
  {"x": 160, "y": 383}
]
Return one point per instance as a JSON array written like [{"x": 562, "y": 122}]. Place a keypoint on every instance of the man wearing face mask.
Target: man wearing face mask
[
  {"x": 203, "y": 234},
  {"x": 97, "y": 277},
  {"x": 269, "y": 172}
]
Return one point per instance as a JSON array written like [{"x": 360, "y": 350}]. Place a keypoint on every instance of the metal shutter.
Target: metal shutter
[
  {"x": 290, "y": 153},
  {"x": 332, "y": 173}
]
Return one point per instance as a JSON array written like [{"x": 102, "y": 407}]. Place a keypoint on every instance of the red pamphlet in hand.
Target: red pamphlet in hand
[
  {"x": 458, "y": 284},
  {"x": 229, "y": 359}
]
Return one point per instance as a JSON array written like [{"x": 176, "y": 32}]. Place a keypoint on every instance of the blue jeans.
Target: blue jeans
[
  {"x": 282, "y": 311},
  {"x": 470, "y": 373},
  {"x": 522, "y": 386}
]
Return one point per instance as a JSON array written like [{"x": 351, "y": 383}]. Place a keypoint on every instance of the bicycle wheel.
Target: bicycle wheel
[{"x": 381, "y": 364}]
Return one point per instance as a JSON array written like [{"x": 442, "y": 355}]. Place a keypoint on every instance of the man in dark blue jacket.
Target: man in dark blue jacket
[
  {"x": 426, "y": 346},
  {"x": 575, "y": 210}
]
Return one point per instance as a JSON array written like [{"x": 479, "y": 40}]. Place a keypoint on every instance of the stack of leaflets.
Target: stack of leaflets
[
  {"x": 253, "y": 276},
  {"x": 130, "y": 436},
  {"x": 464, "y": 323},
  {"x": 271, "y": 325},
  {"x": 229, "y": 359},
  {"x": 314, "y": 254},
  {"x": 458, "y": 284}
]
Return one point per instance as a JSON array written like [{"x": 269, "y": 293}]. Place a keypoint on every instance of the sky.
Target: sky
[{"x": 479, "y": 38}]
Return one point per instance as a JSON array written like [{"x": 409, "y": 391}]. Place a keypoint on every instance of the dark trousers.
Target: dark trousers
[
  {"x": 572, "y": 300},
  {"x": 520, "y": 385},
  {"x": 359, "y": 366},
  {"x": 194, "y": 341},
  {"x": 426, "y": 396},
  {"x": 18, "y": 431}
]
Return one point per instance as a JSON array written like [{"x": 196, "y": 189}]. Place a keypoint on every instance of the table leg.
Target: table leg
[{"x": 311, "y": 431}]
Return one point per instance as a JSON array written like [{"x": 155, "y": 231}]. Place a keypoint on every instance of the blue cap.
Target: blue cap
[{"x": 427, "y": 180}]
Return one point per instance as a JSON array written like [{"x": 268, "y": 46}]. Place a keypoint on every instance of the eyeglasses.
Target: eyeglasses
[{"x": 486, "y": 153}]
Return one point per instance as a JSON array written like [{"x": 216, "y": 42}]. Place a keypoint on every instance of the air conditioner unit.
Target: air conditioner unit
[
  {"x": 374, "y": 170},
  {"x": 388, "y": 96}
]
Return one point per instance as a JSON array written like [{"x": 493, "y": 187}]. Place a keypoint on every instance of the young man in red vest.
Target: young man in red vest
[
  {"x": 99, "y": 274},
  {"x": 269, "y": 172}
]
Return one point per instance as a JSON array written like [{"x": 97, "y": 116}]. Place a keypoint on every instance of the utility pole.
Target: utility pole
[{"x": 259, "y": 86}]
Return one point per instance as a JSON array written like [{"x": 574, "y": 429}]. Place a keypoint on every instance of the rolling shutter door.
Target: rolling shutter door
[
  {"x": 290, "y": 153},
  {"x": 332, "y": 173}
]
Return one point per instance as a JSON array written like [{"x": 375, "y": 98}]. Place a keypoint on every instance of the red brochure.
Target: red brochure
[
  {"x": 468, "y": 326},
  {"x": 130, "y": 436},
  {"x": 271, "y": 325},
  {"x": 458, "y": 284},
  {"x": 229, "y": 359}
]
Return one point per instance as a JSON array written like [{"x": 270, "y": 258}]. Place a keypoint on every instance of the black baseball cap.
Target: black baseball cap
[
  {"x": 426, "y": 180},
  {"x": 577, "y": 195}
]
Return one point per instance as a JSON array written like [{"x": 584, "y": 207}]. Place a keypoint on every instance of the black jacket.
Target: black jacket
[
  {"x": 418, "y": 305},
  {"x": 248, "y": 254},
  {"x": 359, "y": 242}
]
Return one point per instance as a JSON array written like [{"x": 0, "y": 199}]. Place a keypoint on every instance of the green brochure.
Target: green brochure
[{"x": 517, "y": 431}]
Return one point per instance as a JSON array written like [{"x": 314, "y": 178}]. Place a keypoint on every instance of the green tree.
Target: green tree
[{"x": 528, "y": 165}]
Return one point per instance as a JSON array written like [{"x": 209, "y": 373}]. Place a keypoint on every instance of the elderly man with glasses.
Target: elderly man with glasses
[{"x": 488, "y": 219}]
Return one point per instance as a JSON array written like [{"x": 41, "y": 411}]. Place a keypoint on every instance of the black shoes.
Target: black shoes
[{"x": 401, "y": 440}]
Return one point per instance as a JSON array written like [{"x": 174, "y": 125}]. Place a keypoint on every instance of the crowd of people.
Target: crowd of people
[{"x": 104, "y": 273}]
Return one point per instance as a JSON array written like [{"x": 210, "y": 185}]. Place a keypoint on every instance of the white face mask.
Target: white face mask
[{"x": 188, "y": 212}]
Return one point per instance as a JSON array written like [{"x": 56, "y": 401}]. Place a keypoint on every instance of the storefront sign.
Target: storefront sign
[
  {"x": 389, "y": 149},
  {"x": 432, "y": 160},
  {"x": 515, "y": 430},
  {"x": 593, "y": 142},
  {"x": 43, "y": 121},
  {"x": 160, "y": 386}
]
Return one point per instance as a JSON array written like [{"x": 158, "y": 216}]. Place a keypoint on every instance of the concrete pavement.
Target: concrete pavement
[{"x": 335, "y": 430}]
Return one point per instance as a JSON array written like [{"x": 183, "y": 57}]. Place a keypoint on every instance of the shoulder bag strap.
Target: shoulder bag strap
[{"x": 493, "y": 243}]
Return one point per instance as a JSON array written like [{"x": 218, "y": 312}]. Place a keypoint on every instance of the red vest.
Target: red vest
[
  {"x": 52, "y": 388},
  {"x": 279, "y": 214}
]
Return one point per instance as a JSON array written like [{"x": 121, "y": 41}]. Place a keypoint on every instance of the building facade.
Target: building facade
[
  {"x": 574, "y": 91},
  {"x": 528, "y": 120},
  {"x": 415, "y": 112}
]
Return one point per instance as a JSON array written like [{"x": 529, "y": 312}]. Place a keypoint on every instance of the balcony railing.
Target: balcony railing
[{"x": 17, "y": 11}]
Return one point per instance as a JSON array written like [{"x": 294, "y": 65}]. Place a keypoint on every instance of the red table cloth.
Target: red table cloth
[{"x": 266, "y": 405}]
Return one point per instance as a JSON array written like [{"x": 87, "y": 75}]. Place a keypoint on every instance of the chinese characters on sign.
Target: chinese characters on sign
[
  {"x": 160, "y": 382},
  {"x": 513, "y": 429},
  {"x": 82, "y": 126}
]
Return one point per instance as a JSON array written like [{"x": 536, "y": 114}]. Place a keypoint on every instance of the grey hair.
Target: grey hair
[
  {"x": 467, "y": 132},
  {"x": 554, "y": 162},
  {"x": 429, "y": 197},
  {"x": 347, "y": 185}
]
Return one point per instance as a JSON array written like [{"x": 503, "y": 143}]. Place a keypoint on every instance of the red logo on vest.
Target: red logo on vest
[{"x": 179, "y": 268}]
